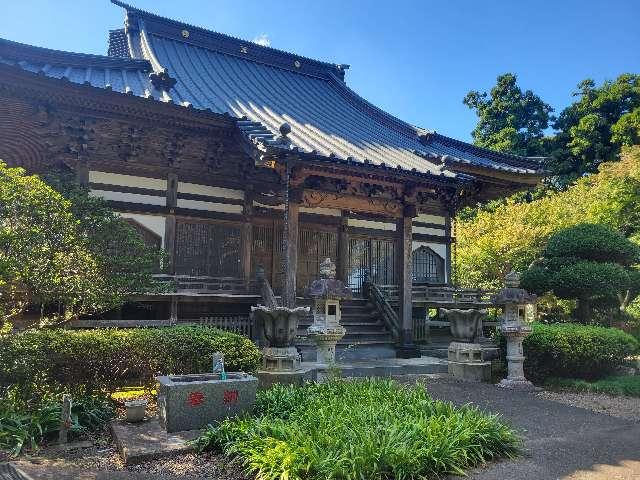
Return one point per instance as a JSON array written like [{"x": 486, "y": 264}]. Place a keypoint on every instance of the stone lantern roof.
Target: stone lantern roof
[
  {"x": 327, "y": 286},
  {"x": 512, "y": 293}
]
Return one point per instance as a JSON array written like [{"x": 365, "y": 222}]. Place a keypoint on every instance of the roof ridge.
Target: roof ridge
[
  {"x": 46, "y": 55},
  {"x": 516, "y": 160},
  {"x": 295, "y": 61}
]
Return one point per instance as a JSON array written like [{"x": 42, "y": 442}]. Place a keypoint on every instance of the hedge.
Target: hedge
[
  {"x": 569, "y": 350},
  {"x": 37, "y": 362}
]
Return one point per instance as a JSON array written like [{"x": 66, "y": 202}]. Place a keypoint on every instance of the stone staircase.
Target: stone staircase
[{"x": 366, "y": 338}]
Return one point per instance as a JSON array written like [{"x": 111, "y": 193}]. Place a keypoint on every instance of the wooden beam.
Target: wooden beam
[
  {"x": 447, "y": 261},
  {"x": 380, "y": 206}
]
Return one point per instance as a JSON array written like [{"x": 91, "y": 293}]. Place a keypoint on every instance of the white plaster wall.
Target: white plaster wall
[
  {"x": 96, "y": 176},
  {"x": 427, "y": 218},
  {"x": 209, "y": 206},
  {"x": 196, "y": 189},
  {"x": 129, "y": 197},
  {"x": 155, "y": 223},
  {"x": 352, "y": 222}
]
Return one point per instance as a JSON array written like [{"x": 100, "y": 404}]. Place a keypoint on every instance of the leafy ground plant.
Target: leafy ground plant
[
  {"x": 21, "y": 430},
  {"x": 628, "y": 385},
  {"x": 361, "y": 429}
]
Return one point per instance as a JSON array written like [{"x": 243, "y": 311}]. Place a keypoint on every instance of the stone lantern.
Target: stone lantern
[
  {"x": 326, "y": 331},
  {"x": 519, "y": 311}
]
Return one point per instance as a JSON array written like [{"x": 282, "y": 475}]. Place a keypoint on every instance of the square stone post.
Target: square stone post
[{"x": 406, "y": 349}]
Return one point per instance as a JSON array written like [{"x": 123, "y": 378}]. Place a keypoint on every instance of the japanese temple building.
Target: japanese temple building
[{"x": 204, "y": 141}]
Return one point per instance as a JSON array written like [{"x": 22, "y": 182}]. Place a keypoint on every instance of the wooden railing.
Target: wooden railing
[
  {"x": 440, "y": 295},
  {"x": 240, "y": 324},
  {"x": 190, "y": 284},
  {"x": 387, "y": 312}
]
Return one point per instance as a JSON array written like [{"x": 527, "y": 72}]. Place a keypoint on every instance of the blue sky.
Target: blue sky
[{"x": 416, "y": 59}]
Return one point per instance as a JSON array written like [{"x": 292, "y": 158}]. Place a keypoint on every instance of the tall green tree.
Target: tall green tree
[
  {"x": 594, "y": 128},
  {"x": 510, "y": 120},
  {"x": 43, "y": 257},
  {"x": 65, "y": 250}
]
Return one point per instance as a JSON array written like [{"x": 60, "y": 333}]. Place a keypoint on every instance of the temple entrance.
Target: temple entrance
[
  {"x": 373, "y": 259},
  {"x": 314, "y": 245}
]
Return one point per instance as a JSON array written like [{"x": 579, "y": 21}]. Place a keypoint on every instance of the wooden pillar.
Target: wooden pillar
[
  {"x": 247, "y": 236},
  {"x": 290, "y": 251},
  {"x": 448, "y": 266},
  {"x": 82, "y": 173},
  {"x": 407, "y": 348},
  {"x": 170, "y": 223},
  {"x": 343, "y": 249}
]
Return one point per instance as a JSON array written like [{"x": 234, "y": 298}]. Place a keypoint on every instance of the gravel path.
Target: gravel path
[{"x": 621, "y": 407}]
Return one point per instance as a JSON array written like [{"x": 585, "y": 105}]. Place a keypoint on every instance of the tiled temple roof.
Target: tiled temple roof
[
  {"x": 123, "y": 75},
  {"x": 263, "y": 88}
]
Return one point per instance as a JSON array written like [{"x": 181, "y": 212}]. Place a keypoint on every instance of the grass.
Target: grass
[
  {"x": 628, "y": 385},
  {"x": 361, "y": 429}
]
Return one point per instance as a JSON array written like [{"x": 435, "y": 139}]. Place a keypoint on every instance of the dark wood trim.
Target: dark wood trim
[
  {"x": 133, "y": 207},
  {"x": 210, "y": 198},
  {"x": 170, "y": 243},
  {"x": 108, "y": 187},
  {"x": 371, "y": 232},
  {"x": 342, "y": 262},
  {"x": 421, "y": 237},
  {"x": 436, "y": 226},
  {"x": 208, "y": 215}
]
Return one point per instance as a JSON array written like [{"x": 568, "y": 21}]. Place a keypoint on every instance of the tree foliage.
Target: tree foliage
[
  {"x": 126, "y": 262},
  {"x": 514, "y": 234},
  {"x": 67, "y": 252},
  {"x": 590, "y": 263},
  {"x": 588, "y": 132},
  {"x": 43, "y": 258},
  {"x": 594, "y": 128},
  {"x": 509, "y": 120}
]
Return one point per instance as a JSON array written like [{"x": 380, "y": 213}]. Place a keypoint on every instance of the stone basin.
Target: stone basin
[{"x": 189, "y": 402}]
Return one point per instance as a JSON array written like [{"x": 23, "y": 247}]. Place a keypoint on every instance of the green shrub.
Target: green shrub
[
  {"x": 570, "y": 350},
  {"x": 38, "y": 362},
  {"x": 27, "y": 429},
  {"x": 617, "y": 385},
  {"x": 360, "y": 429}
]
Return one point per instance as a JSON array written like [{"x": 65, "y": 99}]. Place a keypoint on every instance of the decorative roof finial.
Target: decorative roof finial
[{"x": 285, "y": 129}]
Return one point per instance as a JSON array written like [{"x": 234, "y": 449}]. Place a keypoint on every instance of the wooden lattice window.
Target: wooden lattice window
[
  {"x": 206, "y": 249},
  {"x": 427, "y": 266}
]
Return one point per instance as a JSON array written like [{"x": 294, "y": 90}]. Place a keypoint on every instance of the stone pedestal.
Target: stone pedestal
[
  {"x": 326, "y": 343},
  {"x": 465, "y": 362},
  {"x": 515, "y": 335},
  {"x": 279, "y": 359}
]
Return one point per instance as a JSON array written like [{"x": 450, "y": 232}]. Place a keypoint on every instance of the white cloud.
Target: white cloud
[{"x": 262, "y": 39}]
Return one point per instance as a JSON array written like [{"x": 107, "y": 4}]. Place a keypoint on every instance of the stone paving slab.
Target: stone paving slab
[{"x": 140, "y": 442}]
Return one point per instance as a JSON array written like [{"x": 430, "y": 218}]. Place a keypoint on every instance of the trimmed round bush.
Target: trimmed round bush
[
  {"x": 591, "y": 241},
  {"x": 570, "y": 350},
  {"x": 37, "y": 362}
]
